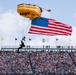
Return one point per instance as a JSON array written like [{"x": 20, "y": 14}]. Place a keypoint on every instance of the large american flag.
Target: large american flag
[{"x": 51, "y": 27}]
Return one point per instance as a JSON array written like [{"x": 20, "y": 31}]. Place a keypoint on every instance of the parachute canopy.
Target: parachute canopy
[{"x": 29, "y": 11}]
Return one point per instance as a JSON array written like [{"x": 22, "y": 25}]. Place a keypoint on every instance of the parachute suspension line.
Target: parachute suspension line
[
  {"x": 49, "y": 10},
  {"x": 22, "y": 28}
]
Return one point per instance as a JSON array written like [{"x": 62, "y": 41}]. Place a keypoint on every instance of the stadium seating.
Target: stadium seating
[{"x": 38, "y": 62}]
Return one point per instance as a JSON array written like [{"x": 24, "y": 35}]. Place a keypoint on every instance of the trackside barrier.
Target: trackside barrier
[{"x": 39, "y": 48}]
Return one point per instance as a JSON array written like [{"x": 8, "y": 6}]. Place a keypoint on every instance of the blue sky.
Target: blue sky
[{"x": 12, "y": 25}]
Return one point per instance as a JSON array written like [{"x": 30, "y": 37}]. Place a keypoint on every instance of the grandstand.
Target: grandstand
[{"x": 38, "y": 60}]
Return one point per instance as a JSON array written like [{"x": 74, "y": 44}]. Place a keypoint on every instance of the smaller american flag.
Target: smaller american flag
[
  {"x": 57, "y": 39},
  {"x": 43, "y": 40},
  {"x": 29, "y": 39},
  {"x": 15, "y": 38},
  {"x": 51, "y": 27}
]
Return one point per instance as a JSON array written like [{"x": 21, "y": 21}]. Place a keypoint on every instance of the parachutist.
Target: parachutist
[{"x": 21, "y": 45}]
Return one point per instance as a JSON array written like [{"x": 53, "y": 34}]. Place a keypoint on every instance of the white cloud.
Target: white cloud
[{"x": 12, "y": 25}]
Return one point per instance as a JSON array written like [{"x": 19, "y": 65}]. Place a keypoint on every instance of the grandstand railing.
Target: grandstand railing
[{"x": 39, "y": 48}]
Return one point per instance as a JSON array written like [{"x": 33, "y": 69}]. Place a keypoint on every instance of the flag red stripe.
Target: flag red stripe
[
  {"x": 59, "y": 26},
  {"x": 49, "y": 32},
  {"x": 51, "y": 29}
]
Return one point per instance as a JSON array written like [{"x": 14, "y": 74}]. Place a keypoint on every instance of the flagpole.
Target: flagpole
[
  {"x": 69, "y": 42},
  {"x": 1, "y": 43},
  {"x": 56, "y": 41},
  {"x": 15, "y": 41},
  {"x": 29, "y": 41},
  {"x": 42, "y": 43},
  {"x": 43, "y": 40}
]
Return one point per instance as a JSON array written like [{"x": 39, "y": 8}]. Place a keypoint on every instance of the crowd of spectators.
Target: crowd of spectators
[{"x": 42, "y": 63}]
